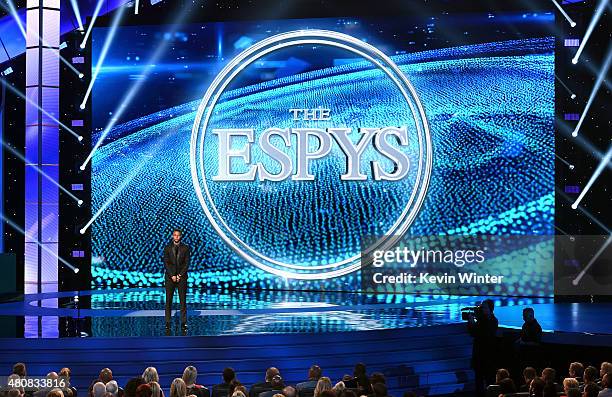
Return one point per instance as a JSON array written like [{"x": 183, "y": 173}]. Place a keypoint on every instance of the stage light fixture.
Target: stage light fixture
[
  {"x": 81, "y": 75},
  {"x": 596, "y": 15},
  {"x": 602, "y": 75},
  {"x": 602, "y": 164},
  {"x": 80, "y": 202}
]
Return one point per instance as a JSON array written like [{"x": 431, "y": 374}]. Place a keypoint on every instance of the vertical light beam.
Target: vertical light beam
[
  {"x": 131, "y": 94},
  {"x": 600, "y": 78},
  {"x": 596, "y": 15},
  {"x": 107, "y": 43},
  {"x": 602, "y": 164},
  {"x": 77, "y": 13},
  {"x": 94, "y": 16}
]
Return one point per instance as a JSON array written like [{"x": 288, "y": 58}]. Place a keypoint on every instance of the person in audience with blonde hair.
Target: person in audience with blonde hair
[
  {"x": 190, "y": 375},
  {"x": 338, "y": 388},
  {"x": 150, "y": 375},
  {"x": 324, "y": 383},
  {"x": 238, "y": 393},
  {"x": 569, "y": 383},
  {"x": 178, "y": 388},
  {"x": 156, "y": 390}
]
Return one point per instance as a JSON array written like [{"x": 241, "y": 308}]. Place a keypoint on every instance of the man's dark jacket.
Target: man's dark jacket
[{"x": 176, "y": 264}]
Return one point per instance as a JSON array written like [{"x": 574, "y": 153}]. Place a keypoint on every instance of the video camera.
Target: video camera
[{"x": 474, "y": 310}]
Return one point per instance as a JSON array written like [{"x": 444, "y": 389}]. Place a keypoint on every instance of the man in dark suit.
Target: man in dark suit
[
  {"x": 482, "y": 326},
  {"x": 176, "y": 262}
]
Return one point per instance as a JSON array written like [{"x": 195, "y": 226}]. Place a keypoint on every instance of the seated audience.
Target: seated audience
[
  {"x": 150, "y": 375},
  {"x": 576, "y": 371},
  {"x": 190, "y": 375},
  {"x": 536, "y": 387},
  {"x": 570, "y": 383},
  {"x": 338, "y": 388},
  {"x": 20, "y": 369},
  {"x": 550, "y": 390},
  {"x": 113, "y": 388},
  {"x": 322, "y": 385},
  {"x": 276, "y": 384},
  {"x": 379, "y": 390},
  {"x": 132, "y": 385},
  {"x": 529, "y": 374},
  {"x": 222, "y": 389},
  {"x": 606, "y": 386},
  {"x": 531, "y": 332},
  {"x": 98, "y": 389},
  {"x": 105, "y": 376},
  {"x": 361, "y": 378},
  {"x": 306, "y": 389},
  {"x": 590, "y": 375},
  {"x": 289, "y": 391},
  {"x": 156, "y": 390},
  {"x": 144, "y": 390},
  {"x": 606, "y": 368},
  {"x": 591, "y": 390},
  {"x": 500, "y": 375},
  {"x": 377, "y": 377},
  {"x": 258, "y": 388},
  {"x": 506, "y": 386},
  {"x": 574, "y": 392},
  {"x": 178, "y": 388}
]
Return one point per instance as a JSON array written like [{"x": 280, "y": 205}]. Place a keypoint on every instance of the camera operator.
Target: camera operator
[{"x": 482, "y": 326}]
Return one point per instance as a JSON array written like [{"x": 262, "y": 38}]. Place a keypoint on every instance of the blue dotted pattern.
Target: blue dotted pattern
[{"x": 491, "y": 113}]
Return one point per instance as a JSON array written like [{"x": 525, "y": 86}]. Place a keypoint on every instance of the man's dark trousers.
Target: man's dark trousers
[{"x": 182, "y": 293}]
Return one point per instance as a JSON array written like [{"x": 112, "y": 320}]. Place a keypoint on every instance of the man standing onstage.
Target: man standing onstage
[{"x": 176, "y": 262}]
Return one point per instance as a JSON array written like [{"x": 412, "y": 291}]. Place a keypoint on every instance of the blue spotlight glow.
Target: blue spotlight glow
[
  {"x": 77, "y": 13},
  {"x": 596, "y": 15},
  {"x": 600, "y": 78},
  {"x": 21, "y": 95},
  {"x": 107, "y": 43},
  {"x": 602, "y": 164},
  {"x": 94, "y": 16},
  {"x": 13, "y": 11}
]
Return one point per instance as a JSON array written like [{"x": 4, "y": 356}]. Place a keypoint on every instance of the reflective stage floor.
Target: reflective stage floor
[{"x": 140, "y": 312}]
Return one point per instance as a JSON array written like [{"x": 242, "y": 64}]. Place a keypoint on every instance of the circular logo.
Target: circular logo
[{"x": 269, "y": 247}]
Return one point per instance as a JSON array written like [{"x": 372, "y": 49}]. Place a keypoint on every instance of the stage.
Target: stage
[{"x": 419, "y": 342}]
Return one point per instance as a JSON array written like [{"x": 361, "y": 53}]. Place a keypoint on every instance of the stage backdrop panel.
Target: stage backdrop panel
[{"x": 488, "y": 94}]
